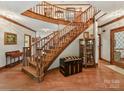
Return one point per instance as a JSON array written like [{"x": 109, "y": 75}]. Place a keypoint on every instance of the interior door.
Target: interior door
[
  {"x": 27, "y": 40},
  {"x": 100, "y": 46}
]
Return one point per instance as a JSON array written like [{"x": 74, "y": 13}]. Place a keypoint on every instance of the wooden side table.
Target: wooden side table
[{"x": 13, "y": 55}]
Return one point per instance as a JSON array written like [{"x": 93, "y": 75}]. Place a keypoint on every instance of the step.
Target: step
[
  {"x": 30, "y": 72},
  {"x": 48, "y": 54},
  {"x": 47, "y": 51},
  {"x": 48, "y": 58},
  {"x": 39, "y": 48},
  {"x": 55, "y": 47},
  {"x": 54, "y": 50},
  {"x": 52, "y": 47},
  {"x": 33, "y": 64},
  {"x": 44, "y": 50}
]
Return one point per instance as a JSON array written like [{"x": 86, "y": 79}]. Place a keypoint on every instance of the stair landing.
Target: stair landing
[{"x": 31, "y": 14}]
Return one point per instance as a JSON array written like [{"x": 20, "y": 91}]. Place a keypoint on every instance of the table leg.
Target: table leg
[
  {"x": 6, "y": 61},
  {"x": 10, "y": 60},
  {"x": 19, "y": 59},
  {"x": 14, "y": 60}
]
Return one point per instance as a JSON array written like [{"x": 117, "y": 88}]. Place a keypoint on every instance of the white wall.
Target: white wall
[
  {"x": 71, "y": 50},
  {"x": 50, "y": 29},
  {"x": 6, "y": 26},
  {"x": 105, "y": 38}
]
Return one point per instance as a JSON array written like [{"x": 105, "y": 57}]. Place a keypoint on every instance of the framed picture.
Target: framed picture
[{"x": 10, "y": 38}]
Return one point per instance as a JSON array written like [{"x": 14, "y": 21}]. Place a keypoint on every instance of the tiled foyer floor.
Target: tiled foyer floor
[{"x": 100, "y": 78}]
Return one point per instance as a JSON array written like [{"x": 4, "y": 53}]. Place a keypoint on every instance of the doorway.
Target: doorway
[
  {"x": 117, "y": 47},
  {"x": 99, "y": 46},
  {"x": 27, "y": 40}
]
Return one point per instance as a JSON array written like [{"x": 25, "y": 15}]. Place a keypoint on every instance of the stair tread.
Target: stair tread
[
  {"x": 40, "y": 48},
  {"x": 30, "y": 70},
  {"x": 33, "y": 63}
]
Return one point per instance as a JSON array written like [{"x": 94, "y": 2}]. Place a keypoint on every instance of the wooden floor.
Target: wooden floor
[{"x": 100, "y": 78}]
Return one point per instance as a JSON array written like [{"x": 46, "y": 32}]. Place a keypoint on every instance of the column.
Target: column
[{"x": 95, "y": 31}]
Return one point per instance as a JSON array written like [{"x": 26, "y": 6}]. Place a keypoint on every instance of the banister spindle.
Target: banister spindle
[
  {"x": 35, "y": 9},
  {"x": 90, "y": 12},
  {"x": 84, "y": 17},
  {"x": 43, "y": 7},
  {"x": 39, "y": 9},
  {"x": 53, "y": 11},
  {"x": 87, "y": 14}
]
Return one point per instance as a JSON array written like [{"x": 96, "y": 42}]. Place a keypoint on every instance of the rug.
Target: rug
[{"x": 116, "y": 69}]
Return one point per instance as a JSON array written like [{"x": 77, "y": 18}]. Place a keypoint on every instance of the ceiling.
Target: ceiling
[
  {"x": 108, "y": 6},
  {"x": 68, "y": 2},
  {"x": 17, "y": 6},
  {"x": 13, "y": 9},
  {"x": 113, "y": 9}
]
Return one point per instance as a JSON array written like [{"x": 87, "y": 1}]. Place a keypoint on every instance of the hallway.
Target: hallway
[{"x": 100, "y": 78}]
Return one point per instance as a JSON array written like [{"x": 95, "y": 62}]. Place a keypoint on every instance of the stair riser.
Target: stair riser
[
  {"x": 32, "y": 65},
  {"x": 30, "y": 75}
]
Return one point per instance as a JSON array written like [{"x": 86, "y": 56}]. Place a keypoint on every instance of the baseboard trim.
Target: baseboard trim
[
  {"x": 11, "y": 65},
  {"x": 104, "y": 60}
]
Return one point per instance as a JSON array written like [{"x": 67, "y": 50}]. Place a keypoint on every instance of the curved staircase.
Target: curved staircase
[{"x": 39, "y": 57}]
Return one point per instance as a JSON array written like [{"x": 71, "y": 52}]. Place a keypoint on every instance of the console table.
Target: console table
[{"x": 13, "y": 55}]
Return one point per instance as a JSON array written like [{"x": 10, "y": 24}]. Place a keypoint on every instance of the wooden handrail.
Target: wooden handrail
[
  {"x": 49, "y": 41},
  {"x": 44, "y": 38},
  {"x": 50, "y": 10},
  {"x": 80, "y": 15},
  {"x": 59, "y": 7}
]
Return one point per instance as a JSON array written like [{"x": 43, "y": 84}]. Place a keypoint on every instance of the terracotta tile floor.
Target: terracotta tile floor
[{"x": 100, "y": 78}]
